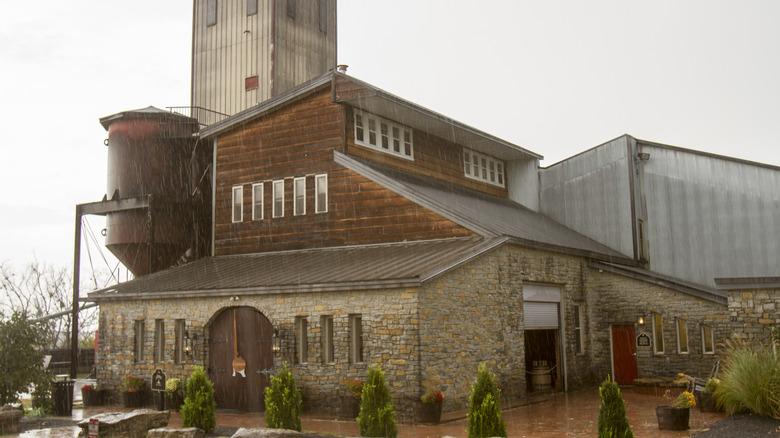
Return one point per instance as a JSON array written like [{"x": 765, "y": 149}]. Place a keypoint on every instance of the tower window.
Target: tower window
[
  {"x": 383, "y": 135},
  {"x": 323, "y": 16}
]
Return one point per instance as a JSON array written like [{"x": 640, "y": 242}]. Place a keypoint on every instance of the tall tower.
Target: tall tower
[{"x": 248, "y": 51}]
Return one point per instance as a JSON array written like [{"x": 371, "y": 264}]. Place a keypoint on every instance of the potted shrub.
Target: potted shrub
[
  {"x": 430, "y": 411},
  {"x": 90, "y": 396},
  {"x": 350, "y": 404},
  {"x": 133, "y": 392},
  {"x": 676, "y": 416},
  {"x": 705, "y": 398},
  {"x": 174, "y": 393}
]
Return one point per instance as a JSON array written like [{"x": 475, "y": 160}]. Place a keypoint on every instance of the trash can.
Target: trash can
[{"x": 63, "y": 397}]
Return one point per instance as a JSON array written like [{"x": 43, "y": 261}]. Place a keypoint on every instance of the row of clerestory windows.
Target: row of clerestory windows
[{"x": 278, "y": 196}]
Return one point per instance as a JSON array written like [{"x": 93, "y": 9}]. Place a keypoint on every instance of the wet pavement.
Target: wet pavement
[{"x": 572, "y": 414}]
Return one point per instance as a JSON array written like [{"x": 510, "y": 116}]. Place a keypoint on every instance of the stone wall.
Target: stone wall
[{"x": 752, "y": 311}]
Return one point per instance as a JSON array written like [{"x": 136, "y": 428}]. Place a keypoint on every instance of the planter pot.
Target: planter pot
[
  {"x": 174, "y": 402},
  {"x": 90, "y": 398},
  {"x": 349, "y": 408},
  {"x": 706, "y": 402},
  {"x": 429, "y": 412},
  {"x": 132, "y": 399},
  {"x": 670, "y": 418}
]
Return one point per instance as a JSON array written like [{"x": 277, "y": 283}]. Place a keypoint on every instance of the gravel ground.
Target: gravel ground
[{"x": 742, "y": 425}]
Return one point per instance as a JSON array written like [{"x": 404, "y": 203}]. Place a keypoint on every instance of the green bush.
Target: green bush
[
  {"x": 377, "y": 415},
  {"x": 484, "y": 412},
  {"x": 613, "y": 422},
  {"x": 749, "y": 379},
  {"x": 21, "y": 355},
  {"x": 199, "y": 403},
  {"x": 283, "y": 402}
]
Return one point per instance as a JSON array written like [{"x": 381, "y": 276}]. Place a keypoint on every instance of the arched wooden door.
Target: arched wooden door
[{"x": 252, "y": 339}]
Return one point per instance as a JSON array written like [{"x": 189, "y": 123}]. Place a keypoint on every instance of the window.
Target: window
[
  {"x": 578, "y": 329},
  {"x": 323, "y": 16},
  {"x": 139, "y": 341},
  {"x": 251, "y": 7},
  {"x": 384, "y": 135},
  {"x": 682, "y": 336},
  {"x": 299, "y": 193},
  {"x": 291, "y": 9},
  {"x": 178, "y": 345},
  {"x": 159, "y": 340},
  {"x": 658, "y": 334},
  {"x": 327, "y": 338},
  {"x": 707, "y": 340},
  {"x": 483, "y": 168},
  {"x": 211, "y": 12},
  {"x": 643, "y": 253},
  {"x": 321, "y": 188},
  {"x": 238, "y": 203},
  {"x": 278, "y": 198},
  {"x": 257, "y": 201},
  {"x": 355, "y": 339},
  {"x": 301, "y": 327}
]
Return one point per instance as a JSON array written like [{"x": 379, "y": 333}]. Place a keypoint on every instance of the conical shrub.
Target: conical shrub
[
  {"x": 283, "y": 402},
  {"x": 613, "y": 422},
  {"x": 377, "y": 415},
  {"x": 484, "y": 411},
  {"x": 199, "y": 403}
]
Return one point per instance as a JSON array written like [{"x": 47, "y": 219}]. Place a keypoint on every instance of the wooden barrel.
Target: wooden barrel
[{"x": 541, "y": 378}]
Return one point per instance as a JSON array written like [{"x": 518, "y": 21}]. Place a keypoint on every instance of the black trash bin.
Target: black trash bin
[{"x": 63, "y": 397}]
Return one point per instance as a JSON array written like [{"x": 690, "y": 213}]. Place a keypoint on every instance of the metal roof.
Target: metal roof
[
  {"x": 342, "y": 268},
  {"x": 488, "y": 215}
]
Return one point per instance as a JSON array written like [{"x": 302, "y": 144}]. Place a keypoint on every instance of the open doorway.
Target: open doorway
[{"x": 542, "y": 361}]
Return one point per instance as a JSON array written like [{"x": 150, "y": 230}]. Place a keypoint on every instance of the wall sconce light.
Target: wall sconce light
[
  {"x": 276, "y": 343},
  {"x": 189, "y": 339},
  {"x": 641, "y": 320},
  {"x": 643, "y": 156}
]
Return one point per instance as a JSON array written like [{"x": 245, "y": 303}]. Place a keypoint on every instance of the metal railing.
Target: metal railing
[{"x": 204, "y": 116}]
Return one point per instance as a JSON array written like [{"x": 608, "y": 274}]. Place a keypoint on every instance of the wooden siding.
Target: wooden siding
[
  {"x": 433, "y": 156},
  {"x": 297, "y": 141}
]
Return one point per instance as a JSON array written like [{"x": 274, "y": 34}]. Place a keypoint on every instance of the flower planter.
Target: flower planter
[
  {"x": 90, "y": 398},
  {"x": 133, "y": 399},
  {"x": 429, "y": 412},
  {"x": 670, "y": 418}
]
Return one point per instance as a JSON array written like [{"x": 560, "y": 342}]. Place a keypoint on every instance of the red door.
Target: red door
[
  {"x": 624, "y": 354},
  {"x": 252, "y": 339}
]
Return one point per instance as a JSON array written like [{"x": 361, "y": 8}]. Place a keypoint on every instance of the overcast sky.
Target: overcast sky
[{"x": 555, "y": 77}]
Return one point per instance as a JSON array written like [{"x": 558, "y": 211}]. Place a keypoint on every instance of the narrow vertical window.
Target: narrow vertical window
[
  {"x": 355, "y": 338},
  {"x": 323, "y": 16},
  {"x": 359, "y": 129},
  {"x": 301, "y": 341},
  {"x": 211, "y": 12},
  {"x": 291, "y": 9},
  {"x": 372, "y": 131},
  {"x": 178, "y": 335},
  {"x": 251, "y": 7},
  {"x": 159, "y": 340},
  {"x": 327, "y": 338},
  {"x": 384, "y": 133},
  {"x": 238, "y": 203},
  {"x": 278, "y": 198},
  {"x": 578, "y": 329},
  {"x": 707, "y": 340},
  {"x": 138, "y": 342},
  {"x": 299, "y": 193},
  {"x": 658, "y": 334},
  {"x": 467, "y": 162},
  {"x": 682, "y": 336},
  {"x": 321, "y": 188},
  {"x": 257, "y": 201}
]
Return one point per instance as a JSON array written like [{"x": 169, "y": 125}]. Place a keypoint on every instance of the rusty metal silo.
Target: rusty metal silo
[{"x": 149, "y": 154}]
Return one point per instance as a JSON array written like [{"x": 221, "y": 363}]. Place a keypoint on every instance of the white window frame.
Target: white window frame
[
  {"x": 321, "y": 188},
  {"x": 299, "y": 196},
  {"x": 356, "y": 350},
  {"x": 383, "y": 135},
  {"x": 481, "y": 167},
  {"x": 258, "y": 190},
  {"x": 682, "y": 329},
  {"x": 579, "y": 346},
  {"x": 278, "y": 211},
  {"x": 302, "y": 341},
  {"x": 704, "y": 337},
  {"x": 658, "y": 341},
  {"x": 237, "y": 204},
  {"x": 326, "y": 321}
]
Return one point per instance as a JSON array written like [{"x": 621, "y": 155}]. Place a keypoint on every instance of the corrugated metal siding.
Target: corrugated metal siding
[{"x": 711, "y": 217}]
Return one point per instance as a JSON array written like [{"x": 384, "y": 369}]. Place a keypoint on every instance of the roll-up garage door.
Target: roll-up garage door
[{"x": 540, "y": 315}]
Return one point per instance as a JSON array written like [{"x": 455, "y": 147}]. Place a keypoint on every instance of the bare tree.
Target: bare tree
[{"x": 39, "y": 290}]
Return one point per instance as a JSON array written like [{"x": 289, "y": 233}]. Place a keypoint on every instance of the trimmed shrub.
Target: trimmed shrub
[
  {"x": 283, "y": 402},
  {"x": 377, "y": 415},
  {"x": 199, "y": 403},
  {"x": 484, "y": 413},
  {"x": 613, "y": 422},
  {"x": 749, "y": 379}
]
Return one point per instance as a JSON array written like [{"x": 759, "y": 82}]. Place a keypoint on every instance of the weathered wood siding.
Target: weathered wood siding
[{"x": 297, "y": 141}]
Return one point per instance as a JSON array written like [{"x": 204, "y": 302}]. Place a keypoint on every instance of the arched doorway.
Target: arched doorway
[{"x": 252, "y": 340}]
